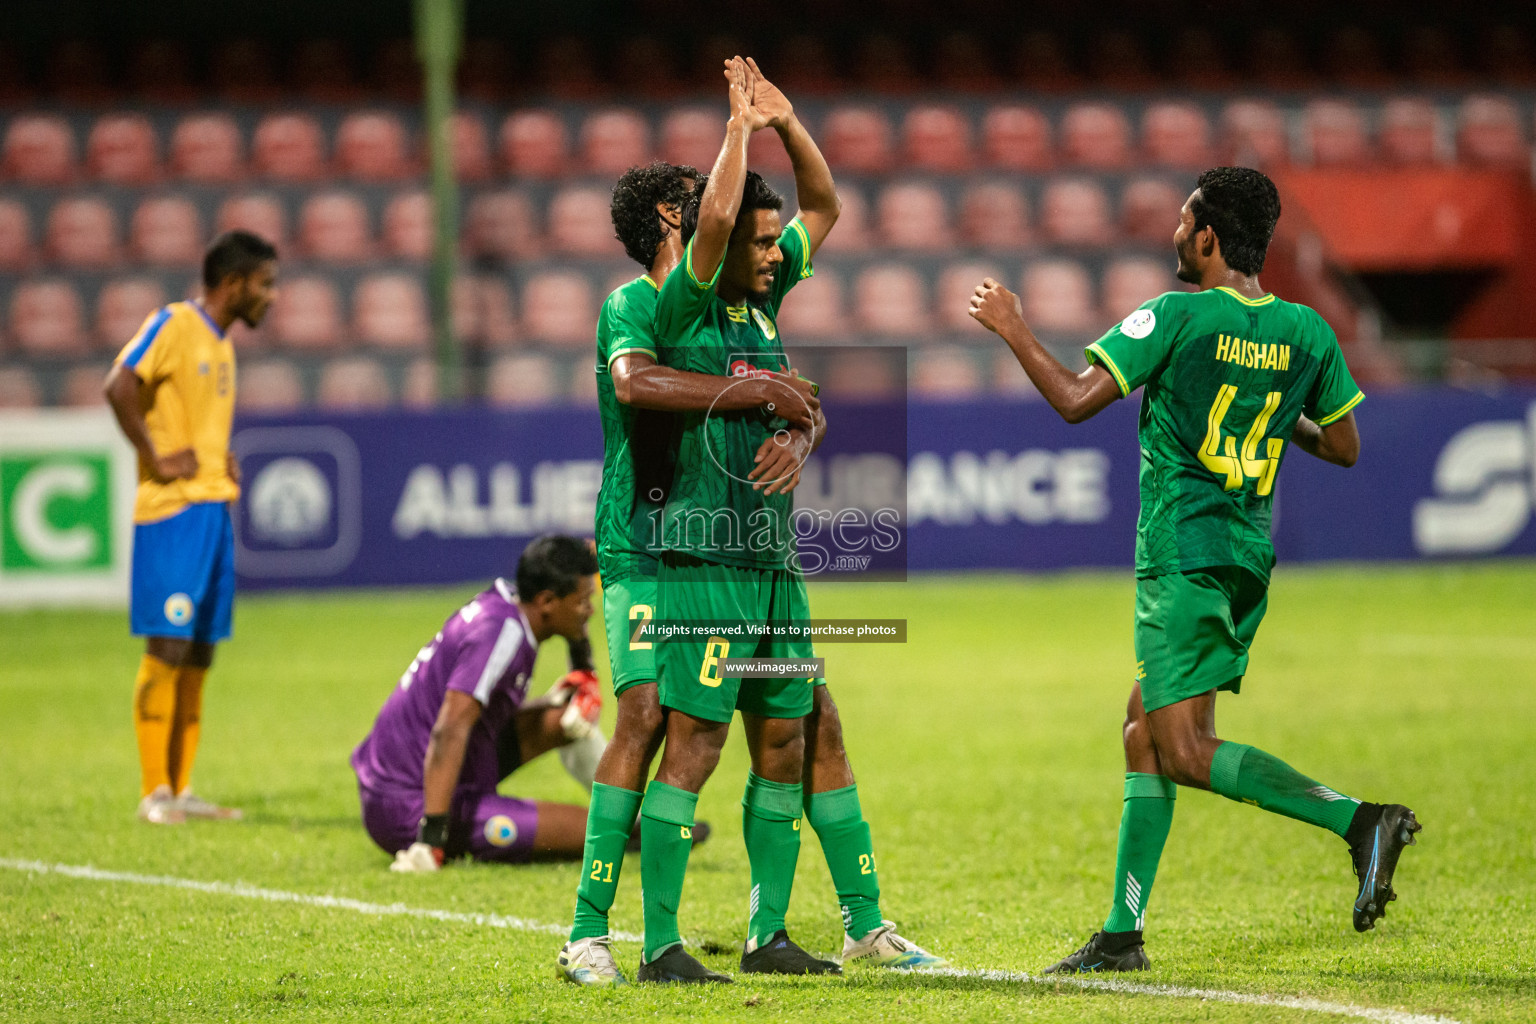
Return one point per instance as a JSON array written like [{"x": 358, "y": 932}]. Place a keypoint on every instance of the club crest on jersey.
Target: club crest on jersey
[
  {"x": 1139, "y": 324},
  {"x": 500, "y": 830},
  {"x": 766, "y": 324},
  {"x": 178, "y": 609}
]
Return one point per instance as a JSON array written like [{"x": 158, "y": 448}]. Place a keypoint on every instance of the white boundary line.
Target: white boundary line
[{"x": 244, "y": 891}]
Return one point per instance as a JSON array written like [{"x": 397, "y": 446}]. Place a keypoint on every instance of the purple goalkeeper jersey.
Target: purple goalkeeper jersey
[{"x": 486, "y": 650}]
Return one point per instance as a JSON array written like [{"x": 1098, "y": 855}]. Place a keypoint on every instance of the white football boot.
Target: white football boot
[
  {"x": 160, "y": 808},
  {"x": 590, "y": 962},
  {"x": 194, "y": 806},
  {"x": 884, "y": 948}
]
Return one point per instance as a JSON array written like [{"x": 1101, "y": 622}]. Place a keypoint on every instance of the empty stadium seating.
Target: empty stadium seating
[
  {"x": 269, "y": 386},
  {"x": 1057, "y": 295},
  {"x": 334, "y": 228},
  {"x": 891, "y": 300},
  {"x": 307, "y": 314},
  {"x": 522, "y": 380},
  {"x": 354, "y": 384},
  {"x": 39, "y": 150},
  {"x": 16, "y": 249},
  {"x": 122, "y": 150},
  {"x": 208, "y": 149},
  {"x": 390, "y": 310},
  {"x": 260, "y": 214},
  {"x": 83, "y": 233},
  {"x": 166, "y": 232},
  {"x": 47, "y": 318},
  {"x": 122, "y": 308}
]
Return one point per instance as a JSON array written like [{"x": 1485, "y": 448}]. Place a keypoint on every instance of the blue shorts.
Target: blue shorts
[{"x": 184, "y": 575}]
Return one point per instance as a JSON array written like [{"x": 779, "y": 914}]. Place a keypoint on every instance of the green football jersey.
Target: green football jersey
[
  {"x": 638, "y": 444},
  {"x": 712, "y": 512},
  {"x": 1226, "y": 379}
]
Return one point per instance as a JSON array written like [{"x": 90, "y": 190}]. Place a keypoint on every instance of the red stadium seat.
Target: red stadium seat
[
  {"x": 1132, "y": 280},
  {"x": 647, "y": 67},
  {"x": 583, "y": 387},
  {"x": 471, "y": 147},
  {"x": 938, "y": 139},
  {"x": 122, "y": 150},
  {"x": 1149, "y": 210},
  {"x": 482, "y": 311},
  {"x": 1118, "y": 61},
  {"x": 815, "y": 310},
  {"x": 484, "y": 70},
  {"x": 1336, "y": 134},
  {"x": 1489, "y": 133},
  {"x": 48, "y": 319},
  {"x": 580, "y": 223},
  {"x": 522, "y": 381},
  {"x": 390, "y": 310},
  {"x": 323, "y": 72},
  {"x": 260, "y": 214},
  {"x": 83, "y": 233},
  {"x": 952, "y": 298},
  {"x": 1008, "y": 378},
  {"x": 946, "y": 373},
  {"x": 269, "y": 386},
  {"x": 15, "y": 89},
  {"x": 1057, "y": 295},
  {"x": 16, "y": 252},
  {"x": 804, "y": 65},
  {"x": 891, "y": 299},
  {"x": 1199, "y": 61},
  {"x": 864, "y": 374},
  {"x": 766, "y": 155},
  {"x": 994, "y": 215},
  {"x": 418, "y": 390},
  {"x": 39, "y": 150},
  {"x": 1353, "y": 59},
  {"x": 371, "y": 146},
  {"x": 1096, "y": 135},
  {"x": 1075, "y": 211},
  {"x": 882, "y": 65},
  {"x": 534, "y": 144},
  {"x": 691, "y": 137},
  {"x": 1507, "y": 57},
  {"x": 567, "y": 69},
  {"x": 613, "y": 141},
  {"x": 857, "y": 139},
  {"x": 19, "y": 388},
  {"x": 122, "y": 307},
  {"x": 1041, "y": 64},
  {"x": 289, "y": 147},
  {"x": 396, "y": 73},
  {"x": 1431, "y": 57},
  {"x": 77, "y": 74},
  {"x": 1254, "y": 134},
  {"x": 914, "y": 216},
  {"x": 354, "y": 384},
  {"x": 559, "y": 308},
  {"x": 1277, "y": 61},
  {"x": 502, "y": 225},
  {"x": 242, "y": 72},
  {"x": 964, "y": 64},
  {"x": 307, "y": 315},
  {"x": 206, "y": 148},
  {"x": 408, "y": 226},
  {"x": 1016, "y": 138},
  {"x": 333, "y": 228},
  {"x": 166, "y": 232},
  {"x": 82, "y": 387},
  {"x": 1176, "y": 135},
  {"x": 1410, "y": 131},
  {"x": 852, "y": 231}
]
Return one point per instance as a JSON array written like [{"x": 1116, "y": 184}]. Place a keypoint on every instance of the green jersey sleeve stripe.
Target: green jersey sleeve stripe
[
  {"x": 1109, "y": 364},
  {"x": 688, "y": 265},
  {"x": 1336, "y": 416},
  {"x": 626, "y": 351},
  {"x": 805, "y": 242}
]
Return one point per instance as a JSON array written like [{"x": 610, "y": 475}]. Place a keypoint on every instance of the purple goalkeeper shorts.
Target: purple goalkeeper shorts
[{"x": 486, "y": 826}]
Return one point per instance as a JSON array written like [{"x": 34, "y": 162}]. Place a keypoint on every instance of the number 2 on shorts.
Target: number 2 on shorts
[{"x": 639, "y": 614}]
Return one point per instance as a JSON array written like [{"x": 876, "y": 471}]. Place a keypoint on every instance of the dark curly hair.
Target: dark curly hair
[
  {"x": 1243, "y": 205},
  {"x": 756, "y": 194},
  {"x": 639, "y": 189}
]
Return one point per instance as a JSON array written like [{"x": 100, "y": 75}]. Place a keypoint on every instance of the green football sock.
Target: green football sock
[
  {"x": 1144, "y": 823},
  {"x": 844, "y": 835},
  {"x": 610, "y": 817},
  {"x": 1245, "y": 773},
  {"x": 770, "y": 826},
  {"x": 666, "y": 838}
]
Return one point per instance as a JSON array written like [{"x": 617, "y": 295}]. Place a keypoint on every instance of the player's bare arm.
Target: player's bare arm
[
  {"x": 1338, "y": 442},
  {"x": 445, "y": 751},
  {"x": 1076, "y": 396},
  {"x": 638, "y": 380},
  {"x": 814, "y": 189},
  {"x": 122, "y": 394},
  {"x": 722, "y": 196}
]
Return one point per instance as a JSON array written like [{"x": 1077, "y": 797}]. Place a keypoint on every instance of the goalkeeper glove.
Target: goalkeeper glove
[
  {"x": 581, "y": 695},
  {"x": 426, "y": 853}
]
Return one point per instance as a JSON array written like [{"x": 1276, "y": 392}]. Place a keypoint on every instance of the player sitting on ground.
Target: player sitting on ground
[
  {"x": 458, "y": 722},
  {"x": 1232, "y": 376}
]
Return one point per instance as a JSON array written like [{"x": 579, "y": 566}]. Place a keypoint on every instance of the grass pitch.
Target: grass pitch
[{"x": 987, "y": 750}]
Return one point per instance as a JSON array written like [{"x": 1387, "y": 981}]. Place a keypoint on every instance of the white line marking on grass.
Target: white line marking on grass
[
  {"x": 244, "y": 891},
  {"x": 252, "y": 892}
]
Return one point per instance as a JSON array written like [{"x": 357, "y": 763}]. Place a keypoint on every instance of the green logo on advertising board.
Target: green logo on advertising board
[{"x": 55, "y": 511}]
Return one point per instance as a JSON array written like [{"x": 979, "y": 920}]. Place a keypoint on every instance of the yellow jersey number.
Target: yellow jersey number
[
  {"x": 639, "y": 614},
  {"x": 714, "y": 650},
  {"x": 1219, "y": 452}
]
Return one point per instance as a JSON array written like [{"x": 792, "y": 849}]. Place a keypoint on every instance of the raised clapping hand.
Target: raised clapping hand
[
  {"x": 767, "y": 98},
  {"x": 995, "y": 307},
  {"x": 740, "y": 82}
]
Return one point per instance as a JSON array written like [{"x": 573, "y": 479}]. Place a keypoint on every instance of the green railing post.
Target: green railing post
[{"x": 439, "y": 32}]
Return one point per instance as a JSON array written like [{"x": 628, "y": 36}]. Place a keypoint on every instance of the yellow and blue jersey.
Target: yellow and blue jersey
[{"x": 186, "y": 371}]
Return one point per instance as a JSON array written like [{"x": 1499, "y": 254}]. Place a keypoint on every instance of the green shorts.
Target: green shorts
[
  {"x": 690, "y": 590},
  {"x": 1193, "y": 631},
  {"x": 626, "y": 604}
]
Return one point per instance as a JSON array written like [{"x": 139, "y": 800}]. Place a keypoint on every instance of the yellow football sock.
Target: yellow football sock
[
  {"x": 185, "y": 725},
  {"x": 154, "y": 705}
]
